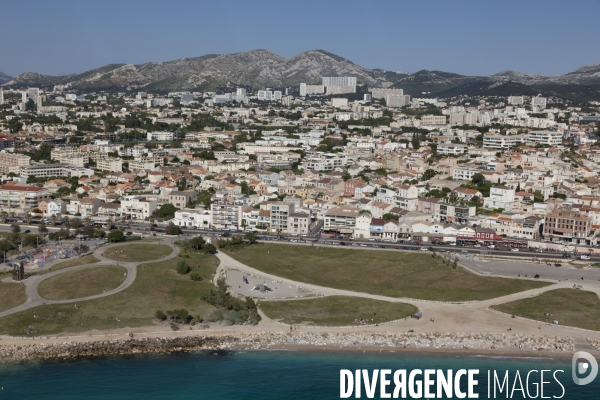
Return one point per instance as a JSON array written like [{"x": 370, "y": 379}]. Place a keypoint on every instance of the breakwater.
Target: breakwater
[{"x": 265, "y": 340}]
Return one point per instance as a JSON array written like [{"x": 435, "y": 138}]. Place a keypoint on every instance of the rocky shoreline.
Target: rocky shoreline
[{"x": 270, "y": 340}]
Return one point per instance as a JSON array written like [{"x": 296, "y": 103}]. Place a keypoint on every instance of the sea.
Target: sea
[{"x": 260, "y": 375}]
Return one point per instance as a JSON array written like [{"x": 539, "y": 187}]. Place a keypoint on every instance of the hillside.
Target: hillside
[
  {"x": 4, "y": 77},
  {"x": 259, "y": 69}
]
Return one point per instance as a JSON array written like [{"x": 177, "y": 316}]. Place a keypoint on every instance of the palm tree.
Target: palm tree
[
  {"x": 28, "y": 218},
  {"x": 53, "y": 219},
  {"x": 4, "y": 216}
]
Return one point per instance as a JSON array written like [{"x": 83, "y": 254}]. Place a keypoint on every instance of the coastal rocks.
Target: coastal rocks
[{"x": 265, "y": 340}]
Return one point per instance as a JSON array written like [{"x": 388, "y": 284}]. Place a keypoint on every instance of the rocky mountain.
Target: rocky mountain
[
  {"x": 256, "y": 69},
  {"x": 261, "y": 68},
  {"x": 4, "y": 77}
]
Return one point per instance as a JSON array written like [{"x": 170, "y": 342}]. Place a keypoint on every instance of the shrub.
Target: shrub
[
  {"x": 160, "y": 315},
  {"x": 195, "y": 276},
  {"x": 182, "y": 268}
]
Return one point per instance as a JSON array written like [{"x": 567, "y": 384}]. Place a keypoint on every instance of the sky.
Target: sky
[{"x": 466, "y": 37}]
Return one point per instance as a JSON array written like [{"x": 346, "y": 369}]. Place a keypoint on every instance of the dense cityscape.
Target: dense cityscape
[{"x": 339, "y": 159}]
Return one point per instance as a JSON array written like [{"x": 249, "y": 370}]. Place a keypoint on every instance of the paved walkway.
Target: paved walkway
[{"x": 31, "y": 284}]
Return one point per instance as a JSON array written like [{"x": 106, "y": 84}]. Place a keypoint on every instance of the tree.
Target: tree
[
  {"x": 166, "y": 211},
  {"x": 427, "y": 175},
  {"x": 210, "y": 248},
  {"x": 42, "y": 228},
  {"x": 197, "y": 243},
  {"x": 172, "y": 229},
  {"x": 4, "y": 216},
  {"x": 538, "y": 197},
  {"x": 182, "y": 268},
  {"x": 478, "y": 179},
  {"x": 32, "y": 241},
  {"x": 250, "y": 237},
  {"x": 115, "y": 236},
  {"x": 195, "y": 276},
  {"x": 75, "y": 223},
  {"x": 415, "y": 142}
]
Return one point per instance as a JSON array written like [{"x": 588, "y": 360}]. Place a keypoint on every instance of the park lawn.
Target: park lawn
[
  {"x": 157, "y": 287},
  {"x": 388, "y": 273},
  {"x": 82, "y": 282},
  {"x": 335, "y": 311},
  {"x": 137, "y": 252},
  {"x": 89, "y": 259},
  {"x": 11, "y": 294},
  {"x": 570, "y": 307}
]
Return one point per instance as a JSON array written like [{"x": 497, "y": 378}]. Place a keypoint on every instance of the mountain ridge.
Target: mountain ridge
[{"x": 262, "y": 68}]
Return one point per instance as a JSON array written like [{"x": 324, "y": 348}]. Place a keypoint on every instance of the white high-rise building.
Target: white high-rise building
[
  {"x": 339, "y": 81},
  {"x": 240, "y": 92},
  {"x": 397, "y": 100},
  {"x": 24, "y": 97},
  {"x": 306, "y": 90},
  {"x": 1, "y": 97},
  {"x": 266, "y": 95},
  {"x": 538, "y": 102},
  {"x": 515, "y": 100},
  {"x": 380, "y": 93}
]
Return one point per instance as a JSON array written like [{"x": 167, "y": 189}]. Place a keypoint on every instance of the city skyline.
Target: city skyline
[{"x": 392, "y": 36}]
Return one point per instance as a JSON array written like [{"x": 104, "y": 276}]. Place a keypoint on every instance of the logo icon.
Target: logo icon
[{"x": 581, "y": 367}]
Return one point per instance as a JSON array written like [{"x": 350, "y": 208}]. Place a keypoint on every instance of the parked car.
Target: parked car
[
  {"x": 514, "y": 249},
  {"x": 536, "y": 276},
  {"x": 557, "y": 265},
  {"x": 584, "y": 257},
  {"x": 424, "y": 249},
  {"x": 452, "y": 244}
]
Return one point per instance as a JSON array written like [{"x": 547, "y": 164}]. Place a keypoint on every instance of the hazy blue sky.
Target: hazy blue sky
[{"x": 467, "y": 37}]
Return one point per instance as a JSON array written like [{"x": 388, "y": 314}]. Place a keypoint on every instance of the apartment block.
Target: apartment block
[
  {"x": 567, "y": 225},
  {"x": 12, "y": 162},
  {"x": 137, "y": 207},
  {"x": 226, "y": 215},
  {"x": 111, "y": 164}
]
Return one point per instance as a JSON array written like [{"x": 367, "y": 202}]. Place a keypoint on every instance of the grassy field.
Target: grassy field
[
  {"x": 82, "y": 282},
  {"x": 71, "y": 263},
  {"x": 157, "y": 286},
  {"x": 570, "y": 307},
  {"x": 335, "y": 311},
  {"x": 388, "y": 273},
  {"x": 137, "y": 252},
  {"x": 11, "y": 294}
]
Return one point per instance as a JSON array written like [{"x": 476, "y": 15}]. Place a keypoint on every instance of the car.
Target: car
[
  {"x": 514, "y": 249},
  {"x": 536, "y": 276},
  {"x": 452, "y": 244},
  {"x": 584, "y": 257},
  {"x": 355, "y": 244},
  {"x": 557, "y": 264},
  {"x": 27, "y": 231},
  {"x": 371, "y": 240},
  {"x": 477, "y": 246},
  {"x": 362, "y": 245},
  {"x": 414, "y": 248},
  {"x": 375, "y": 246},
  {"x": 424, "y": 249},
  {"x": 491, "y": 246}
]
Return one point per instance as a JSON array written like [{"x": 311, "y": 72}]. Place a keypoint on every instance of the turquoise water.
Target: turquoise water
[{"x": 245, "y": 375}]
